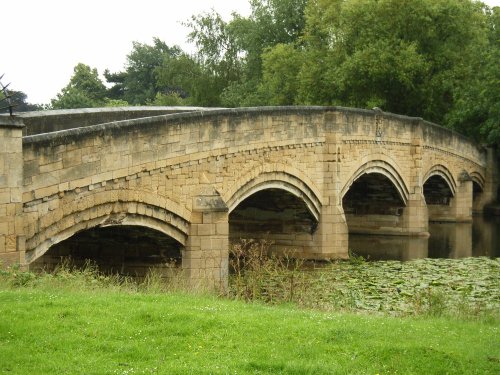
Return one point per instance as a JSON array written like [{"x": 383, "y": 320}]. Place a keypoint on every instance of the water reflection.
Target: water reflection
[{"x": 447, "y": 240}]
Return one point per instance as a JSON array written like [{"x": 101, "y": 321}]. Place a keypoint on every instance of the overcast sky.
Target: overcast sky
[{"x": 44, "y": 40}]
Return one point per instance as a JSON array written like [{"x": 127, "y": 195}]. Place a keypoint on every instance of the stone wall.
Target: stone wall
[
  {"x": 11, "y": 205},
  {"x": 39, "y": 122},
  {"x": 184, "y": 175}
]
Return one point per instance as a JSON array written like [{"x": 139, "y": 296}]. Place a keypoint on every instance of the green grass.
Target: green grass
[
  {"x": 422, "y": 317},
  {"x": 107, "y": 331}
]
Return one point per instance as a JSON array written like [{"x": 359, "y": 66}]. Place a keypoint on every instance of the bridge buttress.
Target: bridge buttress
[
  {"x": 12, "y": 239},
  {"x": 415, "y": 216},
  {"x": 205, "y": 257},
  {"x": 491, "y": 192},
  {"x": 460, "y": 206},
  {"x": 331, "y": 237},
  {"x": 462, "y": 202}
]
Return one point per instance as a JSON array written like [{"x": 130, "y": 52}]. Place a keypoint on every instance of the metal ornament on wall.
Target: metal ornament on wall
[{"x": 6, "y": 97}]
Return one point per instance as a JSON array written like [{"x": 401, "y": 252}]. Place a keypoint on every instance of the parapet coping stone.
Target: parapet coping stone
[
  {"x": 204, "y": 112},
  {"x": 78, "y": 111},
  {"x": 11, "y": 122}
]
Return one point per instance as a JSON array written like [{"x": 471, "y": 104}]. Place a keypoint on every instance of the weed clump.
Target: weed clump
[{"x": 256, "y": 273}]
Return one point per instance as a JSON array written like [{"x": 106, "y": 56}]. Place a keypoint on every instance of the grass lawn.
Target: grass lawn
[{"x": 109, "y": 331}]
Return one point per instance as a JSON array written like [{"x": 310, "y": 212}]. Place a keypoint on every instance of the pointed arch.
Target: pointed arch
[
  {"x": 443, "y": 172},
  {"x": 273, "y": 179},
  {"x": 384, "y": 168}
]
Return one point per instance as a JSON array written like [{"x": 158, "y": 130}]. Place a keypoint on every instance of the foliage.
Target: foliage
[
  {"x": 476, "y": 112},
  {"x": 188, "y": 80},
  {"x": 405, "y": 59},
  {"x": 138, "y": 84},
  {"x": 217, "y": 55},
  {"x": 84, "y": 90},
  {"x": 257, "y": 274},
  {"x": 171, "y": 99},
  {"x": 231, "y": 52},
  {"x": 271, "y": 22},
  {"x": 115, "y": 103},
  {"x": 436, "y": 59},
  {"x": 442, "y": 287},
  {"x": 19, "y": 102},
  {"x": 456, "y": 287},
  {"x": 281, "y": 67}
]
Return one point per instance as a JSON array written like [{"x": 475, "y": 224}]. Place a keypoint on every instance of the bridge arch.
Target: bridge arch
[
  {"x": 275, "y": 176},
  {"x": 443, "y": 173},
  {"x": 277, "y": 206},
  {"x": 105, "y": 209},
  {"x": 385, "y": 168},
  {"x": 478, "y": 186},
  {"x": 478, "y": 179}
]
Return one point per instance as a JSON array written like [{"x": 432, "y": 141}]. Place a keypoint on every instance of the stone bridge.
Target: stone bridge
[{"x": 135, "y": 188}]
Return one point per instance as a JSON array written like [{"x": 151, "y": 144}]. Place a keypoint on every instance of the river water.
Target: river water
[{"x": 446, "y": 240}]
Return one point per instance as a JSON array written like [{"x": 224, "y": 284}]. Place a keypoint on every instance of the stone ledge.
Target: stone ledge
[{"x": 11, "y": 122}]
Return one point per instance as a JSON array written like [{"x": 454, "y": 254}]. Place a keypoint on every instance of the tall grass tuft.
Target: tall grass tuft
[
  {"x": 256, "y": 273},
  {"x": 68, "y": 276}
]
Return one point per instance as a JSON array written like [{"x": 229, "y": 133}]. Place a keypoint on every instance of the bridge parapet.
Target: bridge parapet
[
  {"x": 38, "y": 122},
  {"x": 444, "y": 140}
]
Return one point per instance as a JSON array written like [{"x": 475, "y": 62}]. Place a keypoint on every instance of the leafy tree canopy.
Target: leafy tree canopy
[
  {"x": 437, "y": 59},
  {"x": 138, "y": 84},
  {"x": 18, "y": 100},
  {"x": 85, "y": 89}
]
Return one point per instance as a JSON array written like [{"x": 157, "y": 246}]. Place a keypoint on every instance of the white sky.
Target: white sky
[{"x": 43, "y": 40}]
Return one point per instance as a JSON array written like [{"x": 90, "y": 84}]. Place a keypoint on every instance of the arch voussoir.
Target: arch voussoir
[
  {"x": 381, "y": 167},
  {"x": 106, "y": 209},
  {"x": 443, "y": 172},
  {"x": 273, "y": 177}
]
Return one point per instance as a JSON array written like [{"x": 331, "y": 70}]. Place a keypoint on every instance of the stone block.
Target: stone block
[
  {"x": 44, "y": 168},
  {"x": 222, "y": 228},
  {"x": 205, "y": 229},
  {"x": 10, "y": 243},
  {"x": 4, "y": 195},
  {"x": 10, "y": 258},
  {"x": 46, "y": 191},
  {"x": 81, "y": 182}
]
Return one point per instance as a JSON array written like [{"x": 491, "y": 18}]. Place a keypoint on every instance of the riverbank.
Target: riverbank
[
  {"x": 426, "y": 316},
  {"x": 467, "y": 287}
]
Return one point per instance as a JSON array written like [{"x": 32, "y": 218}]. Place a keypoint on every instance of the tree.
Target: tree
[
  {"x": 476, "y": 110},
  {"x": 138, "y": 84},
  {"x": 183, "y": 77},
  {"x": 271, "y": 22},
  {"x": 84, "y": 90},
  {"x": 230, "y": 53},
  {"x": 406, "y": 58},
  {"x": 282, "y": 64},
  {"x": 217, "y": 56},
  {"x": 18, "y": 100}
]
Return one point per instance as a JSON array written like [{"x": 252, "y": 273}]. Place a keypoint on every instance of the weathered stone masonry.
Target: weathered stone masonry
[
  {"x": 12, "y": 238},
  {"x": 186, "y": 174}
]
